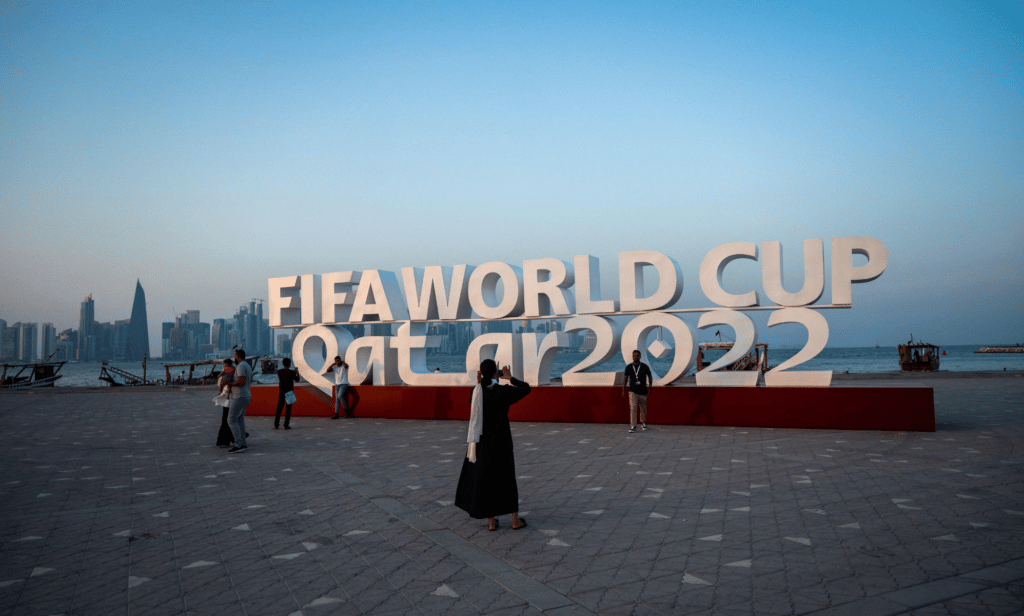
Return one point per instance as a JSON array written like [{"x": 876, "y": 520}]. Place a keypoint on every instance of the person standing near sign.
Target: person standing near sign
[
  {"x": 240, "y": 397},
  {"x": 286, "y": 378},
  {"x": 340, "y": 370},
  {"x": 225, "y": 437},
  {"x": 638, "y": 383}
]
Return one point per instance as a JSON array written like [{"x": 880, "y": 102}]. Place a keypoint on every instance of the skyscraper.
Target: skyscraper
[
  {"x": 49, "y": 340},
  {"x": 65, "y": 345},
  {"x": 219, "y": 334},
  {"x": 86, "y": 320},
  {"x": 262, "y": 333},
  {"x": 5, "y": 346},
  {"x": 119, "y": 342},
  {"x": 250, "y": 330},
  {"x": 137, "y": 346},
  {"x": 165, "y": 339},
  {"x": 9, "y": 343},
  {"x": 28, "y": 335}
]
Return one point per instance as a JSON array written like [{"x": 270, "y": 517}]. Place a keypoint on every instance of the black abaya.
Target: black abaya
[
  {"x": 224, "y": 437},
  {"x": 487, "y": 487}
]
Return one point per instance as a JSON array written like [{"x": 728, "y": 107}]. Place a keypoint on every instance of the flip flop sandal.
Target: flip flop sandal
[{"x": 522, "y": 524}]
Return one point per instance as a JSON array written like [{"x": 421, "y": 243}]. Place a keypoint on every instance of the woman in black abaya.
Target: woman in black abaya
[
  {"x": 225, "y": 437},
  {"x": 487, "y": 485}
]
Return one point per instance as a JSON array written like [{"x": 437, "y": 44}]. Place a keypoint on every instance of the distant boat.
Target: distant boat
[
  {"x": 756, "y": 359},
  {"x": 918, "y": 357},
  {"x": 207, "y": 378},
  {"x": 40, "y": 374}
]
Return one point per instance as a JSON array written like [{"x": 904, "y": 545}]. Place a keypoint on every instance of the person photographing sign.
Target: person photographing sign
[
  {"x": 340, "y": 370},
  {"x": 487, "y": 485},
  {"x": 638, "y": 383}
]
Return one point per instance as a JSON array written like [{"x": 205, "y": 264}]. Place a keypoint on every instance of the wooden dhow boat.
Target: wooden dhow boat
[
  {"x": 30, "y": 375},
  {"x": 918, "y": 356},
  {"x": 756, "y": 359}
]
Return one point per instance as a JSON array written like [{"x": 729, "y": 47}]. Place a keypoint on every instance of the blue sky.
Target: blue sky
[{"x": 205, "y": 147}]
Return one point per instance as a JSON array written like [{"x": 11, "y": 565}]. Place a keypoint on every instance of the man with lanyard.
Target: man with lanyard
[
  {"x": 638, "y": 381},
  {"x": 340, "y": 370}
]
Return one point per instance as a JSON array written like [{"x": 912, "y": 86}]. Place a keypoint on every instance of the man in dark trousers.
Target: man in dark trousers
[
  {"x": 286, "y": 378},
  {"x": 638, "y": 383}
]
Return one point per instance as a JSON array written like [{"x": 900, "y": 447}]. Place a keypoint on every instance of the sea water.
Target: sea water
[{"x": 855, "y": 360}]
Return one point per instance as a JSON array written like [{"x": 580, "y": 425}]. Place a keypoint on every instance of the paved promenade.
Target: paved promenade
[{"x": 119, "y": 503}]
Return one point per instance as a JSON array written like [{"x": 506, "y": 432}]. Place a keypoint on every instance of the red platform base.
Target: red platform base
[{"x": 828, "y": 408}]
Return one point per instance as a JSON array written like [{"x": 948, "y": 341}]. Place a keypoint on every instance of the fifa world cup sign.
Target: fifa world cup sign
[{"x": 551, "y": 288}]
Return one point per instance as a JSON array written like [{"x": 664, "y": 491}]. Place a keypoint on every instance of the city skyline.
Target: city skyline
[
  {"x": 95, "y": 340},
  {"x": 204, "y": 148}
]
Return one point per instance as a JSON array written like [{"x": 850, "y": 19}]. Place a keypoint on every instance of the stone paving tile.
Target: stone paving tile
[
  {"x": 995, "y": 601},
  {"x": 127, "y": 505}
]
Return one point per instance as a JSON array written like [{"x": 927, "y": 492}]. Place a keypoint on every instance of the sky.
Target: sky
[{"x": 203, "y": 148}]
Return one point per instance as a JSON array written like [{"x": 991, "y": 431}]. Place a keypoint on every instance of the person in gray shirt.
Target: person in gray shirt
[{"x": 240, "y": 397}]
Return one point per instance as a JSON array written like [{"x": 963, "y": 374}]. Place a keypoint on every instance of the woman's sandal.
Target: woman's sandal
[
  {"x": 522, "y": 524},
  {"x": 494, "y": 527}
]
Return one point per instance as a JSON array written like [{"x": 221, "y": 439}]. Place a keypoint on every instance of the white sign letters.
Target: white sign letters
[{"x": 551, "y": 288}]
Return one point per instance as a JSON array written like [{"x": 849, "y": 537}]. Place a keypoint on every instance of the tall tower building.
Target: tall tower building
[
  {"x": 49, "y": 340},
  {"x": 27, "y": 348},
  {"x": 250, "y": 344},
  {"x": 65, "y": 345},
  {"x": 137, "y": 346},
  {"x": 220, "y": 333},
  {"x": 8, "y": 342},
  {"x": 165, "y": 339},
  {"x": 261, "y": 333},
  {"x": 86, "y": 322},
  {"x": 15, "y": 343}
]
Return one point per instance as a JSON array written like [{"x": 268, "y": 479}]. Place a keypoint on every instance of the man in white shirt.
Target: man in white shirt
[{"x": 340, "y": 370}]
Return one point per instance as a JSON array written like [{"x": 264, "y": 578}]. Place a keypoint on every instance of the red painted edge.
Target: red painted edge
[{"x": 831, "y": 408}]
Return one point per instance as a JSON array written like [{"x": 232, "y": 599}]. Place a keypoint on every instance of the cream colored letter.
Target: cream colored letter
[
  {"x": 713, "y": 266},
  {"x": 843, "y": 271},
  {"x": 631, "y": 281},
  {"x": 814, "y": 274}
]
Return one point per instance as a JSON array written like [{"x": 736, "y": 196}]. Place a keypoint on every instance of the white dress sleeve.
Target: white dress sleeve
[{"x": 476, "y": 422}]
